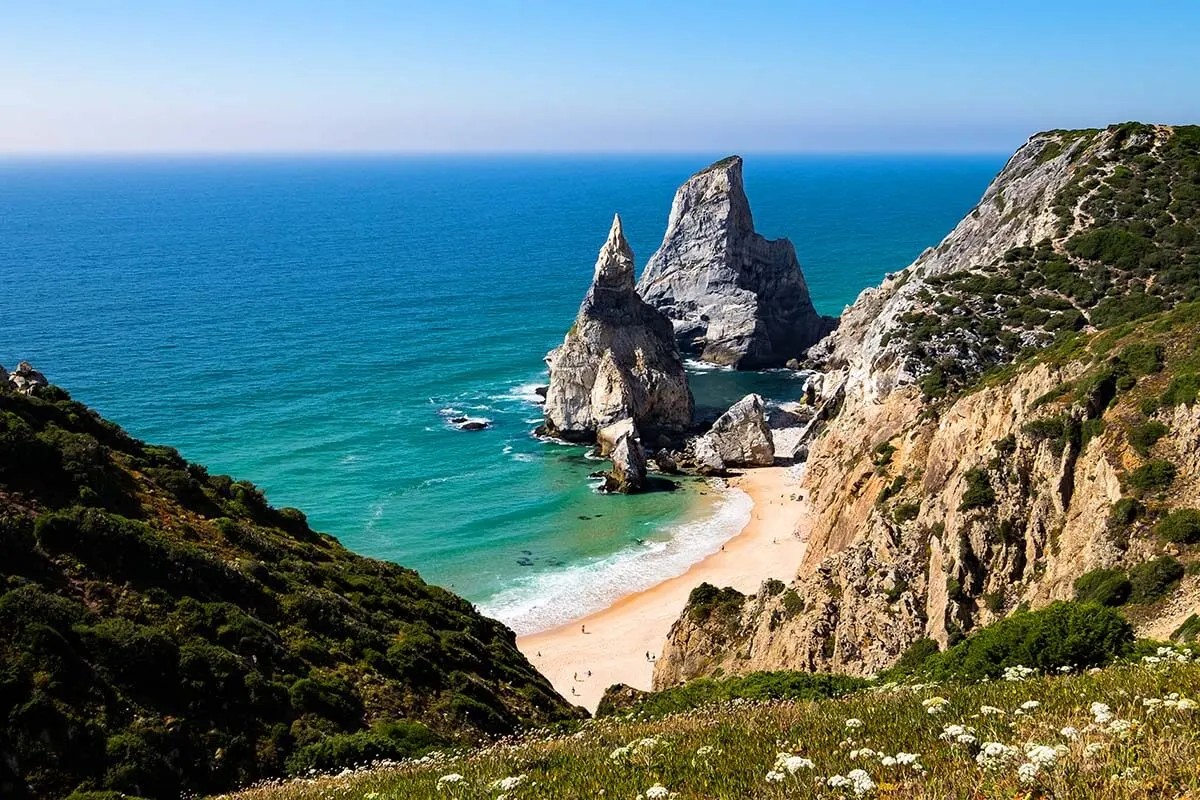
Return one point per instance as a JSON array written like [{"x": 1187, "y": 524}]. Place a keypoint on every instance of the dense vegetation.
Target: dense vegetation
[
  {"x": 1127, "y": 245},
  {"x": 165, "y": 631},
  {"x": 1070, "y": 635}
]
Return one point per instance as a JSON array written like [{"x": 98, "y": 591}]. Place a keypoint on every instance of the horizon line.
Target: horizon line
[{"x": 123, "y": 154}]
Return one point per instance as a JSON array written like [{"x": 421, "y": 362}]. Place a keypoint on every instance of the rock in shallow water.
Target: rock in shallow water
[
  {"x": 618, "y": 360},
  {"x": 734, "y": 297}
]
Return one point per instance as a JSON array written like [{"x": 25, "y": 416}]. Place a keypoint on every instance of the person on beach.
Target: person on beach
[{"x": 583, "y": 628}]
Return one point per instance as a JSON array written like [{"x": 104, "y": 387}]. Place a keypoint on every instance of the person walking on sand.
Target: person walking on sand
[{"x": 583, "y": 628}]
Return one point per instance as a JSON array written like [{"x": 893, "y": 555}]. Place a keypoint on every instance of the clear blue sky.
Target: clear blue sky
[{"x": 288, "y": 75}]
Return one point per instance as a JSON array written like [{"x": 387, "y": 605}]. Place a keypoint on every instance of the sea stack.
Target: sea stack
[
  {"x": 734, "y": 297},
  {"x": 618, "y": 361}
]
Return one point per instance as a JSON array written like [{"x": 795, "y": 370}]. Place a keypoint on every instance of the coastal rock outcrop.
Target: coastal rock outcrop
[
  {"x": 24, "y": 379},
  {"x": 619, "y": 360},
  {"x": 740, "y": 437},
  {"x": 734, "y": 297},
  {"x": 957, "y": 467},
  {"x": 621, "y": 444}
]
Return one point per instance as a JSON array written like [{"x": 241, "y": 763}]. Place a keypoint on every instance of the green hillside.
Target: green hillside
[{"x": 166, "y": 631}]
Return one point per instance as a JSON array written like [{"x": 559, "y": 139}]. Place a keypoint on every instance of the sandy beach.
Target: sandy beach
[{"x": 618, "y": 638}]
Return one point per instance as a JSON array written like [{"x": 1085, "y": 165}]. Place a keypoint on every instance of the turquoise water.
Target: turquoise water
[{"x": 308, "y": 323}]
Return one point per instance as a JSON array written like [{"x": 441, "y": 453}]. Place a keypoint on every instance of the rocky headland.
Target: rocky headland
[{"x": 1010, "y": 421}]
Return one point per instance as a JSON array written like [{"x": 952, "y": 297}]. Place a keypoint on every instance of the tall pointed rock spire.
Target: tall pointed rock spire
[{"x": 614, "y": 266}]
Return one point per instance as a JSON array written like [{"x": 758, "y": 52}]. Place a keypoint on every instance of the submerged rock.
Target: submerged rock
[
  {"x": 734, "y": 297},
  {"x": 619, "y": 360},
  {"x": 739, "y": 438}
]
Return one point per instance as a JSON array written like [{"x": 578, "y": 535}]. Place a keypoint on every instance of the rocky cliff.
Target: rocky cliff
[
  {"x": 618, "y": 360},
  {"x": 734, "y": 297},
  {"x": 1008, "y": 421}
]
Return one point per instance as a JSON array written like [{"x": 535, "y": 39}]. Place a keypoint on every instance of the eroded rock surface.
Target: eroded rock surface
[
  {"x": 734, "y": 297},
  {"x": 619, "y": 360},
  {"x": 740, "y": 437}
]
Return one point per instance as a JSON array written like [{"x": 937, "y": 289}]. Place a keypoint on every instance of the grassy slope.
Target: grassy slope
[
  {"x": 164, "y": 630},
  {"x": 1156, "y": 757}
]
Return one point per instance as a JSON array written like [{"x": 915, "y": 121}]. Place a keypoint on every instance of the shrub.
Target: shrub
[
  {"x": 979, "y": 493},
  {"x": 1142, "y": 437},
  {"x": 1181, "y": 526},
  {"x": 1062, "y": 634},
  {"x": 707, "y": 602},
  {"x": 755, "y": 686},
  {"x": 391, "y": 740},
  {"x": 906, "y": 512},
  {"x": 1154, "y": 475},
  {"x": 1124, "y": 512},
  {"x": 916, "y": 654},
  {"x": 793, "y": 603},
  {"x": 1182, "y": 390},
  {"x": 1108, "y": 587},
  {"x": 1141, "y": 358},
  {"x": 1151, "y": 580},
  {"x": 1188, "y": 631},
  {"x": 773, "y": 586}
]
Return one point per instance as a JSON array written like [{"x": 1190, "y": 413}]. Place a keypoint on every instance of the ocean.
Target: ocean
[{"x": 310, "y": 323}]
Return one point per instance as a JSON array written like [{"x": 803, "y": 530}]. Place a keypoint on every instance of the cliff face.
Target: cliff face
[
  {"x": 734, "y": 297},
  {"x": 619, "y": 360},
  {"x": 1002, "y": 419},
  {"x": 166, "y": 632}
]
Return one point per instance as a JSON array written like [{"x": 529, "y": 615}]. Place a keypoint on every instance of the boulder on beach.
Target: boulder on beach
[{"x": 740, "y": 437}]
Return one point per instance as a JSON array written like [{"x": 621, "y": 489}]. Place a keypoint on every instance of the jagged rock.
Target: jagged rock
[
  {"x": 618, "y": 360},
  {"x": 25, "y": 379},
  {"x": 734, "y": 297},
  {"x": 739, "y": 438},
  {"x": 620, "y": 443},
  {"x": 793, "y": 364},
  {"x": 664, "y": 462}
]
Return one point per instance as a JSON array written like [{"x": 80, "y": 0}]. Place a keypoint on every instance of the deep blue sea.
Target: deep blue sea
[{"x": 307, "y": 324}]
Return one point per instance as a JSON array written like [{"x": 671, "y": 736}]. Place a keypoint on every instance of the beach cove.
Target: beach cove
[{"x": 613, "y": 643}]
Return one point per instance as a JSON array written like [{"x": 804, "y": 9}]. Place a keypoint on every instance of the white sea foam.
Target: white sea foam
[
  {"x": 526, "y": 392},
  {"x": 542, "y": 601},
  {"x": 696, "y": 365}
]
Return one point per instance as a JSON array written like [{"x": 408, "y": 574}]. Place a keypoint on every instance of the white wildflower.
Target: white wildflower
[
  {"x": 860, "y": 782},
  {"x": 704, "y": 750},
  {"x": 1102, "y": 713},
  {"x": 1018, "y": 673},
  {"x": 907, "y": 759},
  {"x": 991, "y": 711},
  {"x": 887, "y": 761},
  {"x": 1069, "y": 733},
  {"x": 994, "y": 755},
  {"x": 619, "y": 753},
  {"x": 865, "y": 752},
  {"x": 1094, "y": 749},
  {"x": 794, "y": 764},
  {"x": 449, "y": 780},
  {"x": 1042, "y": 754},
  {"x": 1027, "y": 773},
  {"x": 508, "y": 784},
  {"x": 657, "y": 792},
  {"x": 854, "y": 722},
  {"x": 935, "y": 705},
  {"x": 1120, "y": 727},
  {"x": 774, "y": 776},
  {"x": 1030, "y": 705}
]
